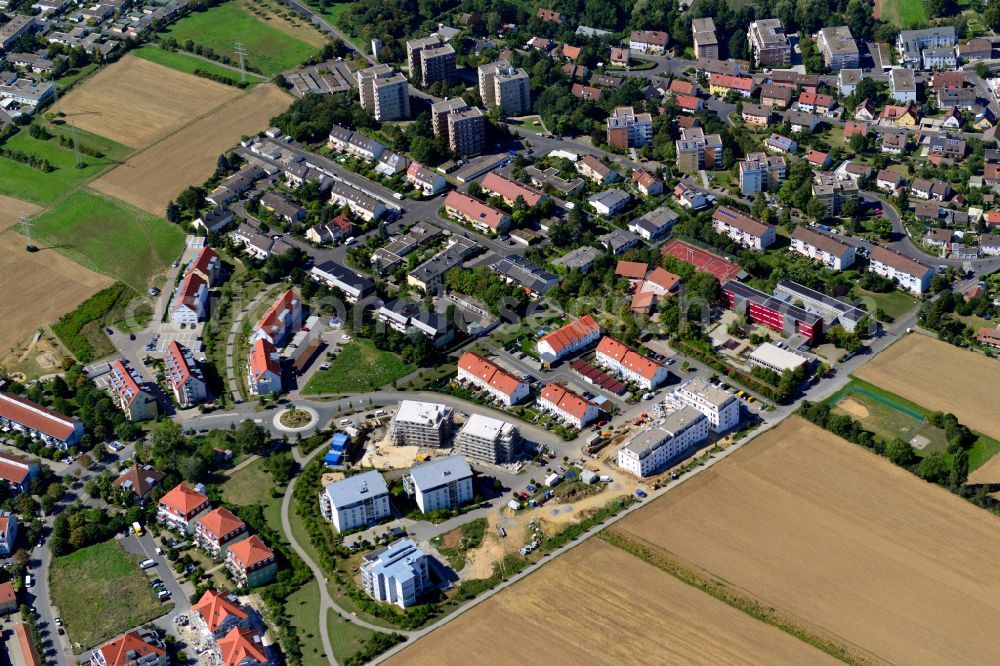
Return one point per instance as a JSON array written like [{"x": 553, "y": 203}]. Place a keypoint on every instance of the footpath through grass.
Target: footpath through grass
[
  {"x": 188, "y": 64},
  {"x": 358, "y": 368},
  {"x": 219, "y": 28},
  {"x": 30, "y": 184},
  {"x": 110, "y": 237},
  {"x": 100, "y": 592}
]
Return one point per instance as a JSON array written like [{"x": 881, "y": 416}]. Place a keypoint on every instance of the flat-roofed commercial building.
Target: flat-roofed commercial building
[
  {"x": 775, "y": 358},
  {"x": 649, "y": 450},
  {"x": 772, "y": 312},
  {"x": 418, "y": 423}
]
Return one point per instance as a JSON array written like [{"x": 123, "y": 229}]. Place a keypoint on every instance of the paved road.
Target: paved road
[{"x": 327, "y": 27}]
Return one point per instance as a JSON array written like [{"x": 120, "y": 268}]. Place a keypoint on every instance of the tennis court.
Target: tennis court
[{"x": 702, "y": 260}]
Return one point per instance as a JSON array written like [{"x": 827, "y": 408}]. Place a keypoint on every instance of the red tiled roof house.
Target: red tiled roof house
[
  {"x": 217, "y": 530},
  {"x": 251, "y": 563},
  {"x": 180, "y": 508}
]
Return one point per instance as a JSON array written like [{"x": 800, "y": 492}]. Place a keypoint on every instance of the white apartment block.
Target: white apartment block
[
  {"x": 721, "y": 408},
  {"x": 357, "y": 501},
  {"x": 505, "y": 87},
  {"x": 742, "y": 228},
  {"x": 911, "y": 275},
  {"x": 826, "y": 249},
  {"x": 445, "y": 483},
  {"x": 398, "y": 574},
  {"x": 487, "y": 439},
  {"x": 651, "y": 449},
  {"x": 384, "y": 93},
  {"x": 761, "y": 172},
  {"x": 418, "y": 423}
]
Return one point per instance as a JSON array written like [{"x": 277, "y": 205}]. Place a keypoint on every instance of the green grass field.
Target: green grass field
[
  {"x": 110, "y": 237},
  {"x": 183, "y": 62},
  {"x": 105, "y": 577},
  {"x": 268, "y": 49},
  {"x": 360, "y": 367},
  {"x": 895, "y": 303},
  {"x": 252, "y": 485},
  {"x": 24, "y": 182},
  {"x": 904, "y": 13}
]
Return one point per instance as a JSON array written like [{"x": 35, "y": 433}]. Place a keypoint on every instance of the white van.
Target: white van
[
  {"x": 147, "y": 564},
  {"x": 379, "y": 412},
  {"x": 345, "y": 421}
]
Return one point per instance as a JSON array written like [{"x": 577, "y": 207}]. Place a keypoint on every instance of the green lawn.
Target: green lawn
[
  {"x": 268, "y": 49},
  {"x": 252, "y": 485},
  {"x": 102, "y": 577},
  {"x": 30, "y": 184},
  {"x": 904, "y": 13},
  {"x": 359, "y": 368},
  {"x": 345, "y": 637},
  {"x": 110, "y": 237},
  {"x": 895, "y": 303},
  {"x": 183, "y": 62}
]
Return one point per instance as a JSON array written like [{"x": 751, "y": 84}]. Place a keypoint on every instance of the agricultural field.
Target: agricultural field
[
  {"x": 183, "y": 62},
  {"x": 110, "y": 238},
  {"x": 358, "y": 368},
  {"x": 48, "y": 284},
  {"x": 34, "y": 185},
  {"x": 842, "y": 540},
  {"x": 102, "y": 576},
  {"x": 11, "y": 210},
  {"x": 903, "y": 14},
  {"x": 598, "y": 604},
  {"x": 936, "y": 374},
  {"x": 135, "y": 101},
  {"x": 272, "y": 46},
  {"x": 152, "y": 177}
]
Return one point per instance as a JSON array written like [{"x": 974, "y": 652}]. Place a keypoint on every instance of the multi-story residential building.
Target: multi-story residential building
[
  {"x": 356, "y": 501},
  {"x": 529, "y": 276},
  {"x": 654, "y": 225},
  {"x": 217, "y": 530},
  {"x": 242, "y": 647},
  {"x": 466, "y": 131},
  {"x": 911, "y": 43},
  {"x": 628, "y": 129},
  {"x": 902, "y": 85},
  {"x": 811, "y": 102},
  {"x": 384, "y": 93},
  {"x": 440, "y": 112},
  {"x": 445, "y": 483},
  {"x": 282, "y": 320},
  {"x": 777, "y": 96},
  {"x": 723, "y": 84},
  {"x": 834, "y": 191},
  {"x": 12, "y": 30},
  {"x": 510, "y": 190},
  {"x": 128, "y": 394},
  {"x": 484, "y": 217},
  {"x": 505, "y": 87},
  {"x": 832, "y": 310},
  {"x": 697, "y": 150},
  {"x": 769, "y": 43},
  {"x": 138, "y": 480},
  {"x": 8, "y": 533},
  {"x": 489, "y": 377},
  {"x": 251, "y": 563},
  {"x": 567, "y": 405},
  {"x": 437, "y": 65},
  {"x": 353, "y": 285},
  {"x": 832, "y": 252},
  {"x": 488, "y": 440},
  {"x": 186, "y": 379},
  {"x": 609, "y": 202},
  {"x": 180, "y": 508},
  {"x": 649, "y": 450},
  {"x": 190, "y": 306},
  {"x": 418, "y": 423},
  {"x": 8, "y": 598},
  {"x": 756, "y": 114},
  {"x": 838, "y": 47},
  {"x": 594, "y": 169},
  {"x": 774, "y": 313},
  {"x": 141, "y": 647},
  {"x": 629, "y": 365},
  {"x": 215, "y": 614},
  {"x": 264, "y": 368},
  {"x": 706, "y": 43},
  {"x": 17, "y": 473},
  {"x": 649, "y": 41},
  {"x": 746, "y": 230},
  {"x": 761, "y": 172},
  {"x": 720, "y": 407},
  {"x": 569, "y": 339},
  {"x": 912, "y": 275},
  {"x": 398, "y": 574},
  {"x": 37, "y": 422}
]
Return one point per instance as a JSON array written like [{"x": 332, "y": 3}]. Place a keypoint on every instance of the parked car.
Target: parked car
[{"x": 640, "y": 493}]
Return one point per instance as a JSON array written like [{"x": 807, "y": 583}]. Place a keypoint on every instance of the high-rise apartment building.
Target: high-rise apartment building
[
  {"x": 505, "y": 87},
  {"x": 384, "y": 93}
]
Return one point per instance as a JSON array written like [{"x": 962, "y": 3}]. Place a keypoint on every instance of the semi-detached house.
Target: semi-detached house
[
  {"x": 569, "y": 339},
  {"x": 215, "y": 614},
  {"x": 567, "y": 405},
  {"x": 39, "y": 422},
  {"x": 489, "y": 377},
  {"x": 629, "y": 365},
  {"x": 746, "y": 230},
  {"x": 281, "y": 320}
]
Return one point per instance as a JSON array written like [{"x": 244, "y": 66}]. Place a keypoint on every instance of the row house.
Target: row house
[
  {"x": 567, "y": 406},
  {"x": 912, "y": 275},
  {"x": 776, "y": 96},
  {"x": 811, "y": 102},
  {"x": 723, "y": 84},
  {"x": 282, "y": 320},
  {"x": 822, "y": 247},
  {"x": 38, "y": 422},
  {"x": 510, "y": 191},
  {"x": 344, "y": 140},
  {"x": 426, "y": 181},
  {"x": 649, "y": 41},
  {"x": 629, "y": 365},
  {"x": 746, "y": 230},
  {"x": 569, "y": 339},
  {"x": 472, "y": 211},
  {"x": 364, "y": 206},
  {"x": 490, "y": 378},
  {"x": 186, "y": 379}
]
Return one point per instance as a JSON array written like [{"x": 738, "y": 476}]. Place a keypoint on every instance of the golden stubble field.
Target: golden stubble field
[
  {"x": 940, "y": 376},
  {"x": 827, "y": 532},
  {"x": 152, "y": 177},
  {"x": 56, "y": 286},
  {"x": 136, "y": 102},
  {"x": 599, "y": 605}
]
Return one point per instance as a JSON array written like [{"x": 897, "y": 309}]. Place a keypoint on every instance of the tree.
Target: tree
[
  {"x": 959, "y": 468},
  {"x": 250, "y": 437},
  {"x": 166, "y": 437},
  {"x": 901, "y": 453},
  {"x": 934, "y": 468}
]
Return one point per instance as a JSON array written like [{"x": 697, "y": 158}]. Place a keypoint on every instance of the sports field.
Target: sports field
[
  {"x": 109, "y": 237},
  {"x": 269, "y": 49},
  {"x": 826, "y": 532},
  {"x": 702, "y": 260},
  {"x": 600, "y": 605},
  {"x": 56, "y": 285},
  {"x": 188, "y": 64},
  {"x": 135, "y": 101},
  {"x": 938, "y": 375},
  {"x": 30, "y": 184},
  {"x": 154, "y": 176}
]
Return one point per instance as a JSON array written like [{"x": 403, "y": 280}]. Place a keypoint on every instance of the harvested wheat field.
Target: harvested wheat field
[
  {"x": 940, "y": 376},
  {"x": 152, "y": 177},
  {"x": 12, "y": 209},
  {"x": 136, "y": 102},
  {"x": 599, "y": 605},
  {"x": 988, "y": 472},
  {"x": 48, "y": 286},
  {"x": 829, "y": 533}
]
